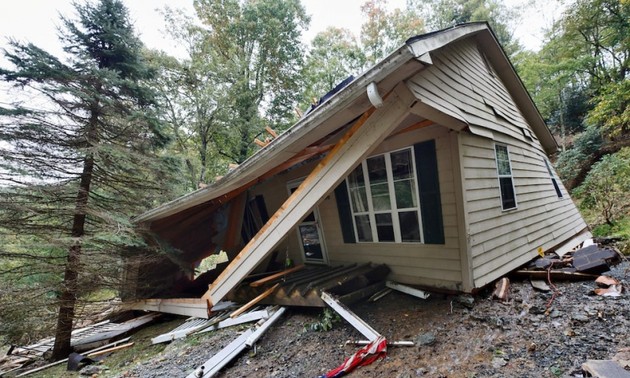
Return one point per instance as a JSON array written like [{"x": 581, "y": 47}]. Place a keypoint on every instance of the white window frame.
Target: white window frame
[
  {"x": 394, "y": 210},
  {"x": 553, "y": 178},
  {"x": 500, "y": 176}
]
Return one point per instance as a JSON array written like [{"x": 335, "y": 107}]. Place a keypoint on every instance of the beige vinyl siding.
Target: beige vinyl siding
[
  {"x": 411, "y": 263},
  {"x": 503, "y": 240},
  {"x": 459, "y": 84}
]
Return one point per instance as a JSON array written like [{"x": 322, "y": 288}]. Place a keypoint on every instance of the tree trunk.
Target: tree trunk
[{"x": 68, "y": 297}]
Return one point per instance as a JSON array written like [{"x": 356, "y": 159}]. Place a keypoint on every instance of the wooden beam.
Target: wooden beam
[
  {"x": 272, "y": 277},
  {"x": 361, "y": 139},
  {"x": 235, "y": 222},
  {"x": 415, "y": 126},
  {"x": 251, "y": 303},
  {"x": 350, "y": 317},
  {"x": 65, "y": 359},
  {"x": 109, "y": 350},
  {"x": 271, "y": 131}
]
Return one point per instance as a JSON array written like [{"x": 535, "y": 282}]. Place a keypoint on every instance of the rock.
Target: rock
[
  {"x": 498, "y": 362},
  {"x": 426, "y": 339},
  {"x": 90, "y": 370},
  {"x": 465, "y": 300},
  {"x": 536, "y": 310},
  {"x": 579, "y": 317}
]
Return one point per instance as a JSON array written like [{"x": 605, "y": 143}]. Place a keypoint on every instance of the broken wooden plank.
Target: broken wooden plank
[
  {"x": 65, "y": 359},
  {"x": 110, "y": 350},
  {"x": 251, "y": 303},
  {"x": 189, "y": 326},
  {"x": 251, "y": 316},
  {"x": 502, "y": 289},
  {"x": 407, "y": 289},
  {"x": 361, "y": 139},
  {"x": 350, "y": 317},
  {"x": 273, "y": 277},
  {"x": 103, "y": 337},
  {"x": 605, "y": 369}
]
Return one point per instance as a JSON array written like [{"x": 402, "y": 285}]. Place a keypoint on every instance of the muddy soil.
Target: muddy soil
[{"x": 534, "y": 334}]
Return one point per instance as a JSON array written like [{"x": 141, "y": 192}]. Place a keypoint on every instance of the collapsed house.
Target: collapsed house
[{"x": 433, "y": 162}]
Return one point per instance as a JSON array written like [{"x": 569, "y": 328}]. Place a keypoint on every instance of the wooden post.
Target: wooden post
[{"x": 361, "y": 139}]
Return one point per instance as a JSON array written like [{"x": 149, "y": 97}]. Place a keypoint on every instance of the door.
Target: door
[{"x": 310, "y": 236}]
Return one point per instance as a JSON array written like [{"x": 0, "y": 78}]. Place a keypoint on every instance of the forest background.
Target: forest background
[{"x": 107, "y": 128}]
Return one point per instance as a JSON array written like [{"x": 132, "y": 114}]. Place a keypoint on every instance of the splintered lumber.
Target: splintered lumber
[
  {"x": 189, "y": 326},
  {"x": 407, "y": 289},
  {"x": 109, "y": 350},
  {"x": 502, "y": 289},
  {"x": 251, "y": 303},
  {"x": 65, "y": 359},
  {"x": 360, "y": 140},
  {"x": 233, "y": 349},
  {"x": 351, "y": 317},
  {"x": 251, "y": 316},
  {"x": 605, "y": 369},
  {"x": 271, "y": 131},
  {"x": 272, "y": 277}
]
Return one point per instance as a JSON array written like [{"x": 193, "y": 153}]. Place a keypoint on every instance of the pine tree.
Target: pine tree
[{"x": 77, "y": 159}]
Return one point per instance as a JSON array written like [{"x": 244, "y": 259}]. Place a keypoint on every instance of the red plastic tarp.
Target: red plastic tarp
[{"x": 365, "y": 356}]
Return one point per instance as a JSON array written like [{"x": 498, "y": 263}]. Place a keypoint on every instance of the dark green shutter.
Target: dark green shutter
[
  {"x": 429, "y": 191},
  {"x": 345, "y": 213}
]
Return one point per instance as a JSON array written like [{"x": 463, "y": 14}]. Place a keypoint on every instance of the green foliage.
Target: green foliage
[
  {"x": 572, "y": 160},
  {"x": 326, "y": 322},
  {"x": 606, "y": 187},
  {"x": 334, "y": 55},
  {"x": 441, "y": 14},
  {"x": 80, "y": 156},
  {"x": 383, "y": 30},
  {"x": 255, "y": 52},
  {"x": 612, "y": 109}
]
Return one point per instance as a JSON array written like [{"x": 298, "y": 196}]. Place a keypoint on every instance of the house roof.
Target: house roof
[{"x": 351, "y": 101}]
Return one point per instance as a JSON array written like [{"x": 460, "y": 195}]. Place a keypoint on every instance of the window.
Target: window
[
  {"x": 383, "y": 192},
  {"x": 553, "y": 178},
  {"x": 508, "y": 198}
]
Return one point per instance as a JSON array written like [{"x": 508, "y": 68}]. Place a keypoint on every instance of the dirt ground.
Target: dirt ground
[
  {"x": 534, "y": 334},
  {"x": 520, "y": 338}
]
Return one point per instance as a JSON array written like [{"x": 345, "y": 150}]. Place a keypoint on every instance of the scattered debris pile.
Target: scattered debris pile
[
  {"x": 89, "y": 339},
  {"x": 582, "y": 264}
]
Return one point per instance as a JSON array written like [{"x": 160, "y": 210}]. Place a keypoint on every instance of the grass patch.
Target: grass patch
[{"x": 125, "y": 359}]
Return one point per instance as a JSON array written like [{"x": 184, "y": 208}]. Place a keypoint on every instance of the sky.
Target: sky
[{"x": 37, "y": 20}]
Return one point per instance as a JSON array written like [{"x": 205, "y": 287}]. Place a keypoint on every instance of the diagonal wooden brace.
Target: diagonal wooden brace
[{"x": 359, "y": 141}]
